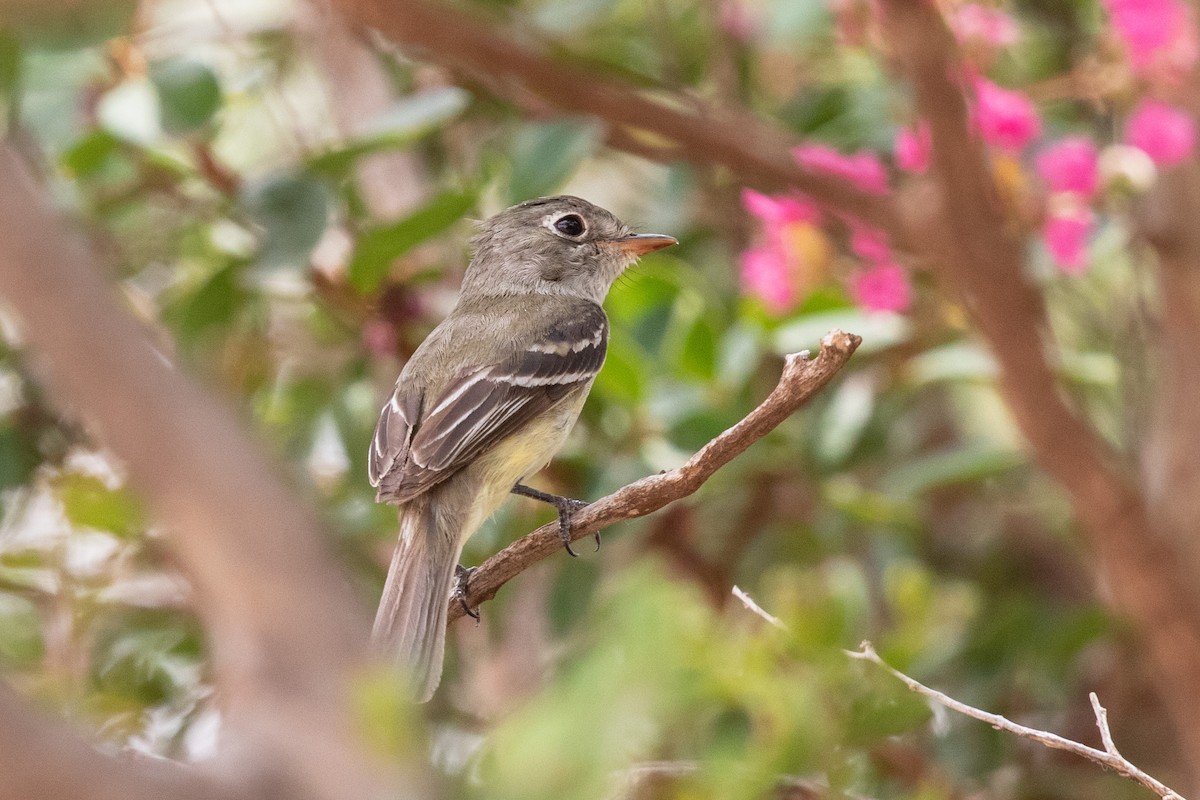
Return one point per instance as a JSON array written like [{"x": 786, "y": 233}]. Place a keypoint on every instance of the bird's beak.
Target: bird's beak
[{"x": 639, "y": 244}]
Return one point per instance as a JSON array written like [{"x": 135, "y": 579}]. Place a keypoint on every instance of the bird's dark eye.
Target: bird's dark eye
[{"x": 570, "y": 225}]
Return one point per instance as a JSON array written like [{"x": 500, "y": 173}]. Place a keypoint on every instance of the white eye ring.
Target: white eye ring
[{"x": 555, "y": 224}]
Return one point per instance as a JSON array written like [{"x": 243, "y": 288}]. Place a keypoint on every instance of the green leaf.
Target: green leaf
[
  {"x": 378, "y": 247},
  {"x": 213, "y": 304},
  {"x": 10, "y": 78},
  {"x": 622, "y": 377},
  {"x": 401, "y": 124},
  {"x": 974, "y": 463},
  {"x": 878, "y": 331},
  {"x": 18, "y": 456},
  {"x": 418, "y": 114},
  {"x": 885, "y": 708},
  {"x": 956, "y": 361},
  {"x": 70, "y": 26},
  {"x": 89, "y": 503},
  {"x": 188, "y": 94},
  {"x": 698, "y": 357},
  {"x": 845, "y": 419},
  {"x": 546, "y": 154},
  {"x": 21, "y": 642},
  {"x": 292, "y": 209},
  {"x": 694, "y": 430},
  {"x": 90, "y": 154},
  {"x": 567, "y": 16}
]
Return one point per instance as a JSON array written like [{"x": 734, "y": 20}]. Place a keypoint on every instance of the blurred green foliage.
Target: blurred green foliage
[{"x": 242, "y": 224}]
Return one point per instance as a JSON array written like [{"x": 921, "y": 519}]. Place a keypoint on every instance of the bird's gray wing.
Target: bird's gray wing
[{"x": 421, "y": 442}]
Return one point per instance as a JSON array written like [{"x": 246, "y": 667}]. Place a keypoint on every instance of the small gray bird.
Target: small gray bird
[{"x": 488, "y": 399}]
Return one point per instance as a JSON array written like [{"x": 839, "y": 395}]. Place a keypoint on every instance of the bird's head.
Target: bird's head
[{"x": 556, "y": 245}]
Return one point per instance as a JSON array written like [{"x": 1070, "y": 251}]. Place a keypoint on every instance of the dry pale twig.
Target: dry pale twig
[
  {"x": 1108, "y": 757},
  {"x": 749, "y": 603},
  {"x": 802, "y": 377}
]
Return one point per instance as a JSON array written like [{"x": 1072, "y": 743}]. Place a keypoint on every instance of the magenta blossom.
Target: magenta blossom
[
  {"x": 973, "y": 23},
  {"x": 1159, "y": 35},
  {"x": 913, "y": 147},
  {"x": 1070, "y": 165},
  {"x": 863, "y": 169},
  {"x": 883, "y": 287},
  {"x": 1006, "y": 118},
  {"x": 1162, "y": 132},
  {"x": 1066, "y": 236},
  {"x": 738, "y": 20},
  {"x": 870, "y": 243},
  {"x": 779, "y": 210},
  {"x": 765, "y": 274}
]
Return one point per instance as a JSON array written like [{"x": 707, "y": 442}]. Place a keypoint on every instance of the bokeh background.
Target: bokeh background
[{"x": 284, "y": 200}]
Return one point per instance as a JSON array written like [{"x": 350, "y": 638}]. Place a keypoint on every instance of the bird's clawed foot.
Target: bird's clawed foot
[
  {"x": 462, "y": 575},
  {"x": 566, "y": 508}
]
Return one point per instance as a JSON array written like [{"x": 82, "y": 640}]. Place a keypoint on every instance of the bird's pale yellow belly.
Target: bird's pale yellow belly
[{"x": 520, "y": 456}]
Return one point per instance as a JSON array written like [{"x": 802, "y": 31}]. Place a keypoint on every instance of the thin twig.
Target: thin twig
[
  {"x": 802, "y": 377},
  {"x": 1102, "y": 723},
  {"x": 749, "y": 603},
  {"x": 1109, "y": 757}
]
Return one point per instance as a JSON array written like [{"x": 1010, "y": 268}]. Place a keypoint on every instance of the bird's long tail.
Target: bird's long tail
[{"x": 411, "y": 622}]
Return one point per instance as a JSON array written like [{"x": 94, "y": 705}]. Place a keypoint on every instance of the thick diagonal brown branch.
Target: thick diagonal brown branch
[
  {"x": 40, "y": 759},
  {"x": 978, "y": 253},
  {"x": 755, "y": 151},
  {"x": 802, "y": 378},
  {"x": 286, "y": 635}
]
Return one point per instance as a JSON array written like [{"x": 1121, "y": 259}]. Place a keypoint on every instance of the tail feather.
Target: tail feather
[{"x": 411, "y": 622}]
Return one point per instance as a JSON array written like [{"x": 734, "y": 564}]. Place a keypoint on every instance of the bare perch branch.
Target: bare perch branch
[
  {"x": 1108, "y": 758},
  {"x": 802, "y": 377}
]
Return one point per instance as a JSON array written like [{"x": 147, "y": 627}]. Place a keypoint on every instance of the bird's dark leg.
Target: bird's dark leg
[
  {"x": 461, "y": 576},
  {"x": 566, "y": 508}
]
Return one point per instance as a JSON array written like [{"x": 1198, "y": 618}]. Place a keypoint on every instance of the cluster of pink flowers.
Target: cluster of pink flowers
[
  {"x": 776, "y": 270},
  {"x": 1070, "y": 170},
  {"x": 791, "y": 255},
  {"x": 984, "y": 26},
  {"x": 1161, "y": 44},
  {"x": 1159, "y": 37}
]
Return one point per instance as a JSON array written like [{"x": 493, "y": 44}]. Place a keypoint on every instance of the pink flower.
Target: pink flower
[
  {"x": 379, "y": 337},
  {"x": 863, "y": 169},
  {"x": 1070, "y": 165},
  {"x": 765, "y": 275},
  {"x": 912, "y": 148},
  {"x": 1066, "y": 236},
  {"x": 1006, "y": 119},
  {"x": 737, "y": 19},
  {"x": 1159, "y": 35},
  {"x": 1162, "y": 132},
  {"x": 883, "y": 287},
  {"x": 779, "y": 210},
  {"x": 989, "y": 26},
  {"x": 870, "y": 243}
]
